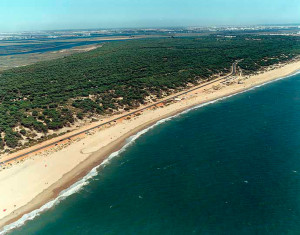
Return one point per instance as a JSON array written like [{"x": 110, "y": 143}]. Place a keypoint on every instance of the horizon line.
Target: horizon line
[{"x": 154, "y": 27}]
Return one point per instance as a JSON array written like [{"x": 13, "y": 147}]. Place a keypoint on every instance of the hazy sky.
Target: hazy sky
[{"x": 16, "y": 15}]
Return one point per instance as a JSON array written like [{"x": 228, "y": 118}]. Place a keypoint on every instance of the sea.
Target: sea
[{"x": 227, "y": 167}]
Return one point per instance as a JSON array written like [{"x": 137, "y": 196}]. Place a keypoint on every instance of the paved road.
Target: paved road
[{"x": 233, "y": 72}]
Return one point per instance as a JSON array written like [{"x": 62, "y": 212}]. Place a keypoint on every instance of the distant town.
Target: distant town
[{"x": 289, "y": 30}]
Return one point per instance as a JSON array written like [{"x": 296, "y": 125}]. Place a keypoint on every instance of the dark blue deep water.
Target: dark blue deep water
[{"x": 232, "y": 167}]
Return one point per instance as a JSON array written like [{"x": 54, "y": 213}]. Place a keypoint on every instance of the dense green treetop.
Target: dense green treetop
[{"x": 52, "y": 94}]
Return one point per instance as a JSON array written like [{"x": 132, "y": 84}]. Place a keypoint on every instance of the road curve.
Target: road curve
[{"x": 233, "y": 72}]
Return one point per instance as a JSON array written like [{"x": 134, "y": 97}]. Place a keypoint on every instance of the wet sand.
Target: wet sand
[{"x": 30, "y": 184}]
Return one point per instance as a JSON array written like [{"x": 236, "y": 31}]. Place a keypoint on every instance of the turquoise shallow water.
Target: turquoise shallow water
[{"x": 232, "y": 167}]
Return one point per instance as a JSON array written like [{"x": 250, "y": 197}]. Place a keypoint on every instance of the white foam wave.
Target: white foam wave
[
  {"x": 85, "y": 180},
  {"x": 76, "y": 186}
]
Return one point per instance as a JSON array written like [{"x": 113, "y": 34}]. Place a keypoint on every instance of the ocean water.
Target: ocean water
[{"x": 230, "y": 167}]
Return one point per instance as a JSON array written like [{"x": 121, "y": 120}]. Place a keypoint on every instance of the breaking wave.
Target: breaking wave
[{"x": 94, "y": 172}]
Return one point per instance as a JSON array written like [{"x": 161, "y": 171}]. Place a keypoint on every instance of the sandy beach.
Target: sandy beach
[{"x": 30, "y": 183}]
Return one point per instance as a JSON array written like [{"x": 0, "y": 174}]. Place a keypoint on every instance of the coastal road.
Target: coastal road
[{"x": 54, "y": 143}]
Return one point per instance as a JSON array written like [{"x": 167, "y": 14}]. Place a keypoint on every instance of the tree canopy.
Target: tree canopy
[{"x": 52, "y": 94}]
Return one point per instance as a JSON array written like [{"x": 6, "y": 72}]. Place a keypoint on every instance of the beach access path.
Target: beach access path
[{"x": 74, "y": 134}]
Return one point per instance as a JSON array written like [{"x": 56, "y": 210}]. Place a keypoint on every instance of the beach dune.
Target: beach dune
[{"x": 29, "y": 184}]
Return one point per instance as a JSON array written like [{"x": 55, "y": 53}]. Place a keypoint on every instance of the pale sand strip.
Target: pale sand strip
[{"x": 27, "y": 186}]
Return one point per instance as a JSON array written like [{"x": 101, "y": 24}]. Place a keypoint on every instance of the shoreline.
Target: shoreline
[
  {"x": 94, "y": 161},
  {"x": 85, "y": 164}
]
